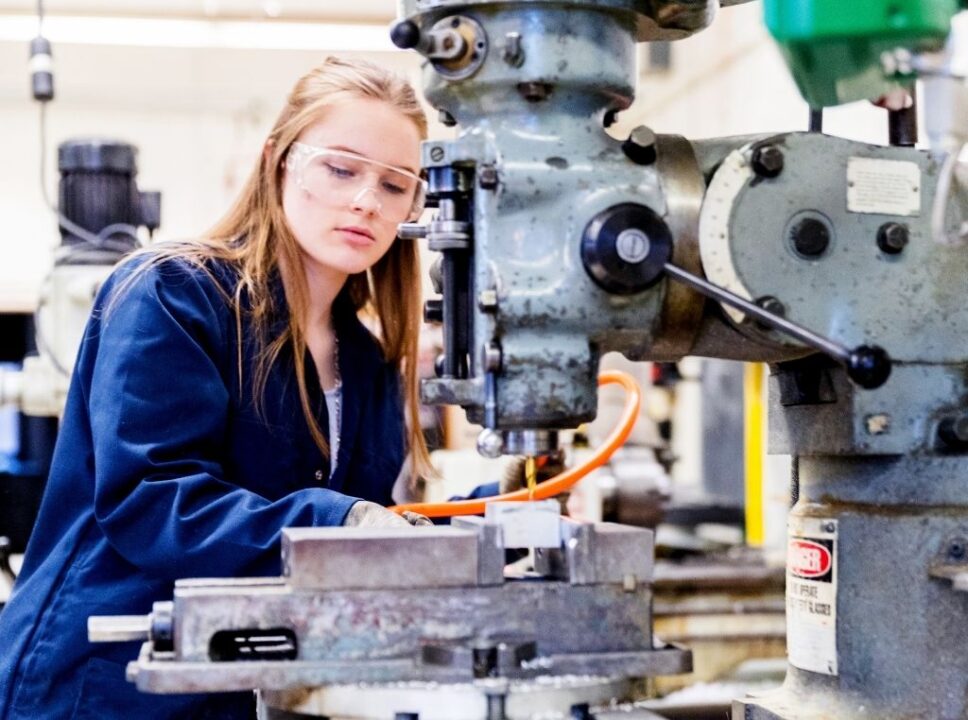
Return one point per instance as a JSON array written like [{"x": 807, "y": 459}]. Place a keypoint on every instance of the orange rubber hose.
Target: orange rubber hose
[{"x": 559, "y": 483}]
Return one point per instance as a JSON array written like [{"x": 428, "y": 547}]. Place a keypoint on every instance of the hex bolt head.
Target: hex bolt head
[
  {"x": 892, "y": 237},
  {"x": 772, "y": 305},
  {"x": 767, "y": 161},
  {"x": 487, "y": 301},
  {"x": 487, "y": 177},
  {"x": 811, "y": 237}
]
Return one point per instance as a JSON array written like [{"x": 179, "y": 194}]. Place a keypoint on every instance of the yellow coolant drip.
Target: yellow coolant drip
[{"x": 530, "y": 475}]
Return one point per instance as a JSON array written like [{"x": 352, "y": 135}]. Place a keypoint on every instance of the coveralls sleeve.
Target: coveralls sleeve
[{"x": 159, "y": 405}]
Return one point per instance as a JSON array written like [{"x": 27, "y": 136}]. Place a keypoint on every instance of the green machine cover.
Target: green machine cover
[{"x": 834, "y": 47}]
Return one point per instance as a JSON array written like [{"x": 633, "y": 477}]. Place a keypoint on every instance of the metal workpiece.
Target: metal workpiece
[
  {"x": 846, "y": 192},
  {"x": 329, "y": 558}
]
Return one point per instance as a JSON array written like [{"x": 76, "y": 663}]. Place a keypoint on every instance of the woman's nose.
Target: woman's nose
[{"x": 367, "y": 200}]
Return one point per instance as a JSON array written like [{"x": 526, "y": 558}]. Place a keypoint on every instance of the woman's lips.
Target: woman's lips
[{"x": 357, "y": 235}]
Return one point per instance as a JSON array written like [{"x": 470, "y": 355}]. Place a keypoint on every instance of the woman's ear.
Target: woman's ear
[{"x": 267, "y": 150}]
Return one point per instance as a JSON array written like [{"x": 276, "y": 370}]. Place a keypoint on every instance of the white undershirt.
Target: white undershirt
[{"x": 333, "y": 400}]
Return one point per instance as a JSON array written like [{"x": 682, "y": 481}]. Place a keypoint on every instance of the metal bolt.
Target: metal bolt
[
  {"x": 490, "y": 444},
  {"x": 878, "y": 424},
  {"x": 437, "y": 153},
  {"x": 829, "y": 527},
  {"x": 953, "y": 431},
  {"x": 534, "y": 91},
  {"x": 495, "y": 691},
  {"x": 487, "y": 301},
  {"x": 767, "y": 161},
  {"x": 892, "y": 237},
  {"x": 810, "y": 237},
  {"x": 446, "y": 119},
  {"x": 580, "y": 711},
  {"x": 411, "y": 231},
  {"x": 772, "y": 305},
  {"x": 957, "y": 549},
  {"x": 491, "y": 357},
  {"x": 512, "y": 53},
  {"x": 487, "y": 177}
]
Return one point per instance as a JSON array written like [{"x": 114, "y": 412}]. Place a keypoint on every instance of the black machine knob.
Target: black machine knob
[
  {"x": 405, "y": 34},
  {"x": 625, "y": 248}
]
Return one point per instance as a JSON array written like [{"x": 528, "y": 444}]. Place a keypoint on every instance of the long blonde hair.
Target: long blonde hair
[{"x": 255, "y": 239}]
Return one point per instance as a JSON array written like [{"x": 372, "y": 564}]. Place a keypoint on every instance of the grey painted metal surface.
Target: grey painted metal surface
[
  {"x": 902, "y": 416},
  {"x": 911, "y": 303},
  {"x": 900, "y": 630}
]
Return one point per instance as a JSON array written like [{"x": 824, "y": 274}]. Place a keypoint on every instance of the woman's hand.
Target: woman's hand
[{"x": 370, "y": 514}]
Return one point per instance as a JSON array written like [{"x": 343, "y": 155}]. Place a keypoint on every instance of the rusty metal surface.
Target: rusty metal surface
[{"x": 372, "y": 624}]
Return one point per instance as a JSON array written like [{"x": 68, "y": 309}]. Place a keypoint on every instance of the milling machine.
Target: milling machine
[{"x": 842, "y": 263}]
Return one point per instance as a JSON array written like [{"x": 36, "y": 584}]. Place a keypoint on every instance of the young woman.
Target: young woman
[{"x": 225, "y": 389}]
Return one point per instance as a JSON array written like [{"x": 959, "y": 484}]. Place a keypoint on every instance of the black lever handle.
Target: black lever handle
[{"x": 867, "y": 365}]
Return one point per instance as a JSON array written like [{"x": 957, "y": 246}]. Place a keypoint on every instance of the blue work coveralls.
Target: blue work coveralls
[{"x": 165, "y": 469}]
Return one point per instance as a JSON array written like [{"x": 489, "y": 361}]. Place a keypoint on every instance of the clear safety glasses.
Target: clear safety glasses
[{"x": 344, "y": 178}]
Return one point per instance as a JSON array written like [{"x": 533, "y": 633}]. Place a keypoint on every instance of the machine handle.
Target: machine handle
[
  {"x": 867, "y": 365},
  {"x": 118, "y": 628}
]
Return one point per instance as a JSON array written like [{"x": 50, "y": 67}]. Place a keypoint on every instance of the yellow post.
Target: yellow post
[{"x": 754, "y": 451}]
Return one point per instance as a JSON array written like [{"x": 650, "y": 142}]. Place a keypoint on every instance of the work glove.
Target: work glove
[{"x": 364, "y": 513}]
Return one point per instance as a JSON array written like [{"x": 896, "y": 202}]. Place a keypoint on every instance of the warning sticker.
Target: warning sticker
[
  {"x": 883, "y": 187},
  {"x": 811, "y": 595}
]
